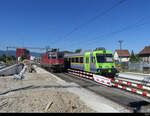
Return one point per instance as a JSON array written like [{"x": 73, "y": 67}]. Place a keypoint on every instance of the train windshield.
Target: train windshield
[
  {"x": 102, "y": 58},
  {"x": 52, "y": 56},
  {"x": 60, "y": 55}
]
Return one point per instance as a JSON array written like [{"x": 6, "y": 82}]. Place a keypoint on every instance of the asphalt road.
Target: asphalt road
[{"x": 122, "y": 97}]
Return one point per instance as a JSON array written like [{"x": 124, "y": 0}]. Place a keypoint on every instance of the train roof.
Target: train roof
[
  {"x": 83, "y": 52},
  {"x": 75, "y": 54}
]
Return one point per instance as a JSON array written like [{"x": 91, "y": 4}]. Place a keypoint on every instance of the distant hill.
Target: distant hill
[{"x": 12, "y": 52}]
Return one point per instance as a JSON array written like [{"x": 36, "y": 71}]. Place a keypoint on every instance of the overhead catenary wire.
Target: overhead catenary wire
[
  {"x": 110, "y": 34},
  {"x": 104, "y": 36},
  {"x": 89, "y": 21},
  {"x": 94, "y": 18}
]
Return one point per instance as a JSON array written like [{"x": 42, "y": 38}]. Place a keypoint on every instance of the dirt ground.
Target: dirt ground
[{"x": 38, "y": 92}]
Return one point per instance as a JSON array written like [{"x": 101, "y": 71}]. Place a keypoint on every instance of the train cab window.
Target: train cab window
[
  {"x": 60, "y": 55},
  {"x": 100, "y": 58},
  {"x": 53, "y": 56},
  {"x": 76, "y": 59},
  {"x": 109, "y": 58},
  {"x": 49, "y": 56},
  {"x": 81, "y": 59}
]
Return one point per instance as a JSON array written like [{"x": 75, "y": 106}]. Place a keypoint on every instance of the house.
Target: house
[
  {"x": 145, "y": 54},
  {"x": 122, "y": 55}
]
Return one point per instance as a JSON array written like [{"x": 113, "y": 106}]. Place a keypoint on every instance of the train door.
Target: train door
[
  {"x": 92, "y": 63},
  {"x": 87, "y": 61}
]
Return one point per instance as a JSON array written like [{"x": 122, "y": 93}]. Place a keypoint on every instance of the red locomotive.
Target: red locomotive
[{"x": 53, "y": 60}]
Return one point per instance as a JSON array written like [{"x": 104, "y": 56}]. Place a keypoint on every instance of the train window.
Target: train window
[
  {"x": 53, "y": 56},
  {"x": 109, "y": 58},
  {"x": 69, "y": 59},
  {"x": 108, "y": 55},
  {"x": 92, "y": 59},
  {"x": 81, "y": 59},
  {"x": 60, "y": 55},
  {"x": 72, "y": 59},
  {"x": 100, "y": 58},
  {"x": 77, "y": 60},
  {"x": 87, "y": 59}
]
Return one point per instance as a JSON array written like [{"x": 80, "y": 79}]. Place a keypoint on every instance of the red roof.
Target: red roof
[
  {"x": 124, "y": 53},
  {"x": 146, "y": 50}
]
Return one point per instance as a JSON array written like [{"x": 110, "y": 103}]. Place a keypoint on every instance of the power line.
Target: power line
[
  {"x": 94, "y": 18},
  {"x": 137, "y": 24},
  {"x": 91, "y": 20},
  {"x": 125, "y": 29},
  {"x": 119, "y": 31}
]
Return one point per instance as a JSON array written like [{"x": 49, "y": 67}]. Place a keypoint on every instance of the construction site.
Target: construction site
[
  {"x": 75, "y": 56},
  {"x": 27, "y": 87},
  {"x": 38, "y": 92}
]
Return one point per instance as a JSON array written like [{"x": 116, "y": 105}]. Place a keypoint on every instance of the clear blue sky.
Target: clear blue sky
[{"x": 40, "y": 23}]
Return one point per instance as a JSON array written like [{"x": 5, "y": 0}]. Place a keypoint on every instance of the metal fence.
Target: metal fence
[{"x": 140, "y": 66}]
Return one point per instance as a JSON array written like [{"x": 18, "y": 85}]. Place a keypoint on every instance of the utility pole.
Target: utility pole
[{"x": 120, "y": 41}]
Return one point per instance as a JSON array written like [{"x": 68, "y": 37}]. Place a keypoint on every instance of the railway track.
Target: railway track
[{"x": 129, "y": 100}]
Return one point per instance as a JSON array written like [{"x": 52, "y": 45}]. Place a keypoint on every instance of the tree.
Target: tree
[
  {"x": 22, "y": 58},
  {"x": 78, "y": 50},
  {"x": 134, "y": 58},
  {"x": 2, "y": 58}
]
